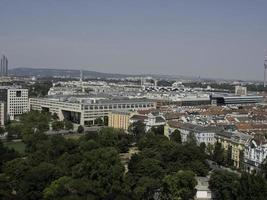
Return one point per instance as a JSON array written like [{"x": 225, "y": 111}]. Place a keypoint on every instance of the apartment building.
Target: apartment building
[
  {"x": 234, "y": 144},
  {"x": 255, "y": 153},
  {"x": 16, "y": 100},
  {"x": 202, "y": 134}
]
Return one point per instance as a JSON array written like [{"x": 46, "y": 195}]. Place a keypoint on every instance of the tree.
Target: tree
[
  {"x": 99, "y": 121},
  {"x": 138, "y": 129},
  {"x": 40, "y": 88},
  {"x": 203, "y": 147},
  {"x": 55, "y": 116},
  {"x": 6, "y": 154},
  {"x": 146, "y": 188},
  {"x": 16, "y": 171},
  {"x": 210, "y": 149},
  {"x": 103, "y": 170},
  {"x": 5, "y": 188},
  {"x": 13, "y": 131},
  {"x": 191, "y": 138},
  {"x": 144, "y": 176},
  {"x": 68, "y": 125},
  {"x": 57, "y": 189},
  {"x": 224, "y": 185},
  {"x": 2, "y": 130},
  {"x": 37, "y": 179},
  {"x": 176, "y": 136},
  {"x": 34, "y": 122},
  {"x": 180, "y": 186},
  {"x": 218, "y": 153},
  {"x": 57, "y": 125},
  {"x": 80, "y": 129},
  {"x": 158, "y": 130},
  {"x": 252, "y": 186}
]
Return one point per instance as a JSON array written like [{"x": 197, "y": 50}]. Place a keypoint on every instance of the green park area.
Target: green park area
[{"x": 16, "y": 145}]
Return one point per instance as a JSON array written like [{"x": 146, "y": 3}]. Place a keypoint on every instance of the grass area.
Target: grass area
[
  {"x": 75, "y": 136},
  {"x": 18, "y": 146}
]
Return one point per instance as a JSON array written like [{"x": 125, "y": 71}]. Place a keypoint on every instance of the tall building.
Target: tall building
[
  {"x": 2, "y": 113},
  {"x": 4, "y": 66},
  {"x": 16, "y": 100}
]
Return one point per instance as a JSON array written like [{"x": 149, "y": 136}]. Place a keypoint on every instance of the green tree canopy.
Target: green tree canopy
[
  {"x": 179, "y": 186},
  {"x": 80, "y": 129},
  {"x": 176, "y": 136},
  {"x": 57, "y": 125},
  {"x": 224, "y": 185}
]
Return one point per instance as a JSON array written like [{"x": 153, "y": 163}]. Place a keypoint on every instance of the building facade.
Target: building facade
[
  {"x": 119, "y": 119},
  {"x": 84, "y": 111},
  {"x": 255, "y": 154},
  {"x": 202, "y": 134},
  {"x": 233, "y": 144},
  {"x": 4, "y": 66},
  {"x": 2, "y": 113},
  {"x": 240, "y": 90},
  {"x": 16, "y": 100}
]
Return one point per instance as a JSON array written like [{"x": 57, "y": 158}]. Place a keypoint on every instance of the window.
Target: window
[{"x": 18, "y": 93}]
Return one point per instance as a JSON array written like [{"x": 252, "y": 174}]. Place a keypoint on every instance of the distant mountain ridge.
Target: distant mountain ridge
[
  {"x": 74, "y": 73},
  {"x": 49, "y": 72}
]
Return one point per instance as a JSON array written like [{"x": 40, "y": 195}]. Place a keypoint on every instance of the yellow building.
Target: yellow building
[
  {"x": 234, "y": 143},
  {"x": 119, "y": 119}
]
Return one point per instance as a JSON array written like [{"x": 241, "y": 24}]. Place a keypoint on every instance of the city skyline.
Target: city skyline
[{"x": 207, "y": 39}]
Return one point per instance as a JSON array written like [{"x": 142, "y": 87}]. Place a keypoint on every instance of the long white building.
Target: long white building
[
  {"x": 16, "y": 100},
  {"x": 84, "y": 110}
]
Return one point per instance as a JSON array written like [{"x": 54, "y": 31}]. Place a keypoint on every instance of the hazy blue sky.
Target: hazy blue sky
[{"x": 207, "y": 38}]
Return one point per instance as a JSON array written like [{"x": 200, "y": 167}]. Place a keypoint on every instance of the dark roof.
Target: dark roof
[
  {"x": 138, "y": 117},
  {"x": 159, "y": 119}
]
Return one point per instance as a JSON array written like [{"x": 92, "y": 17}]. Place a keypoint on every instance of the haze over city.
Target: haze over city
[{"x": 215, "y": 39}]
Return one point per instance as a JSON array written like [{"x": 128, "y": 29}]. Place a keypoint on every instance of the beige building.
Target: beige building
[
  {"x": 234, "y": 144},
  {"x": 119, "y": 119}
]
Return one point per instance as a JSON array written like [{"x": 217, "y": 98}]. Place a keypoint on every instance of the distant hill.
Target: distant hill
[
  {"x": 46, "y": 72},
  {"x": 74, "y": 73}
]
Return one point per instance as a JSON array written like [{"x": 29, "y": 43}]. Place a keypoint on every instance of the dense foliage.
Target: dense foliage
[
  {"x": 92, "y": 167},
  {"x": 110, "y": 164},
  {"x": 232, "y": 186}
]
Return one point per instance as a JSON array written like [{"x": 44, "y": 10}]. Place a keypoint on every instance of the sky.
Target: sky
[{"x": 206, "y": 38}]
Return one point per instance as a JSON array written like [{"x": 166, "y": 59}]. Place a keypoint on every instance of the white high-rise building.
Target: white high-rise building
[{"x": 16, "y": 100}]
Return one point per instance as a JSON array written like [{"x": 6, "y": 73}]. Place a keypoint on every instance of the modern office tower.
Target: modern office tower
[
  {"x": 16, "y": 100},
  {"x": 4, "y": 66},
  {"x": 2, "y": 113}
]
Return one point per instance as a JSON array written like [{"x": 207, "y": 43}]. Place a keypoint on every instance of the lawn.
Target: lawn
[{"x": 18, "y": 146}]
